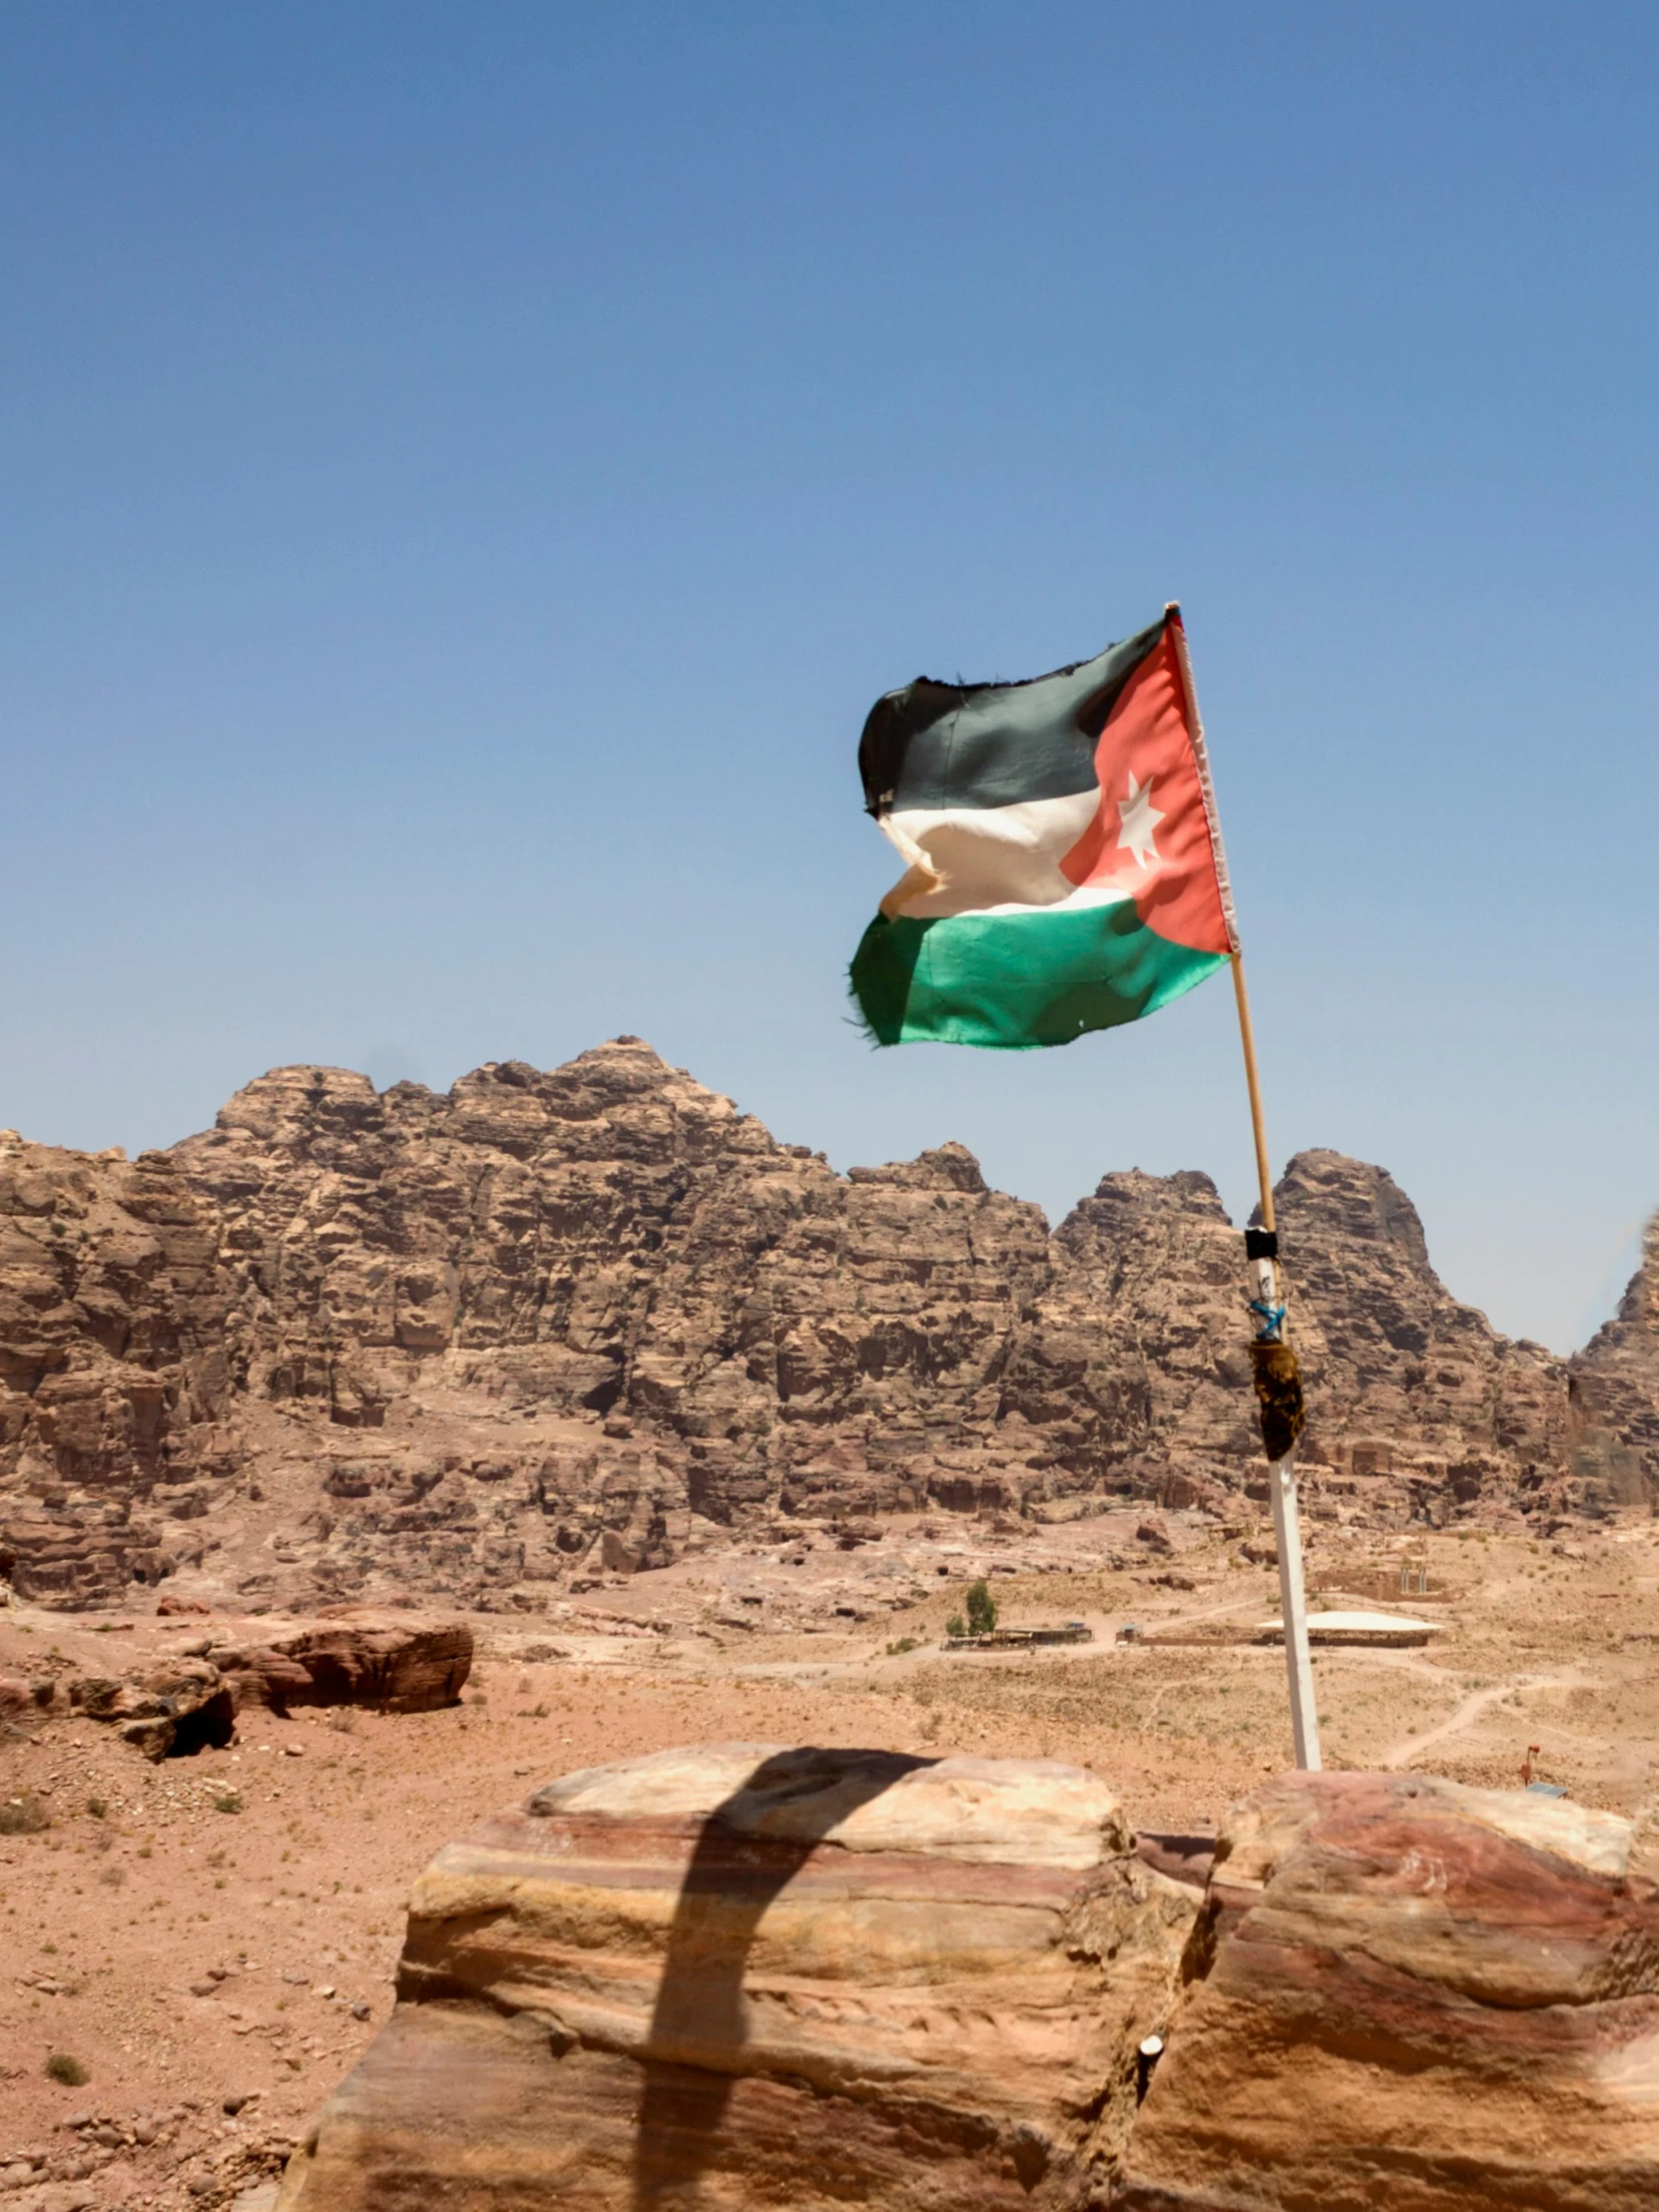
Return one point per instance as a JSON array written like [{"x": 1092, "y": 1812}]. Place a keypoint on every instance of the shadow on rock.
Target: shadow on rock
[{"x": 735, "y": 1874}]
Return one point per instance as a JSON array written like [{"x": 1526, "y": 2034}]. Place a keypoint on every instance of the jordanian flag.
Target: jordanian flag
[{"x": 1065, "y": 867}]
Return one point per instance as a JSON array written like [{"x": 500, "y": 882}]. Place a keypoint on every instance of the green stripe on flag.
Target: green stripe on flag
[{"x": 1040, "y": 976}]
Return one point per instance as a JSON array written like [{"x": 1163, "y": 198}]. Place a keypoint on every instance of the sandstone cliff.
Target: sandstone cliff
[
  {"x": 113, "y": 1375},
  {"x": 1615, "y": 1393},
  {"x": 567, "y": 1321}
]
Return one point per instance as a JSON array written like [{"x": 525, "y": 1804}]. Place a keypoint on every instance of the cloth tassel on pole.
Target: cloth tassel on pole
[{"x": 1279, "y": 1388}]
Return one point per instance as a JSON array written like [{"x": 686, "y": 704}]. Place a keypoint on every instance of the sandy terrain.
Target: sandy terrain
[{"x": 226, "y": 1927}]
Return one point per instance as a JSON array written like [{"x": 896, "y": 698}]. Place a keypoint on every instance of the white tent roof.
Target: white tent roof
[{"x": 1362, "y": 1623}]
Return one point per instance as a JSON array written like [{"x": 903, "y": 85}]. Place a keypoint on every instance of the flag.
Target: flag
[{"x": 1065, "y": 866}]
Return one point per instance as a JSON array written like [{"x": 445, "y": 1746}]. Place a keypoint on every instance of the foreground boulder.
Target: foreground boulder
[
  {"x": 744, "y": 1977},
  {"x": 773, "y": 1977},
  {"x": 1424, "y": 1999}
]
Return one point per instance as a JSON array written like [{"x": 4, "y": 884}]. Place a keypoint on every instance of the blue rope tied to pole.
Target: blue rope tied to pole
[{"x": 1273, "y": 1320}]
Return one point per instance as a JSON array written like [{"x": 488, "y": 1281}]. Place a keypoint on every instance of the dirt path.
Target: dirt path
[{"x": 1411, "y": 1748}]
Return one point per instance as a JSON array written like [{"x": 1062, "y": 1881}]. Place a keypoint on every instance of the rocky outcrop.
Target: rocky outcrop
[
  {"x": 553, "y": 1325},
  {"x": 113, "y": 1375},
  {"x": 185, "y": 1704},
  {"x": 1405, "y": 1381},
  {"x": 1422, "y": 1995},
  {"x": 1417, "y": 1407},
  {"x": 169, "y": 1711},
  {"x": 766, "y": 1977},
  {"x": 1614, "y": 1388},
  {"x": 385, "y": 1663},
  {"x": 613, "y": 1238}
]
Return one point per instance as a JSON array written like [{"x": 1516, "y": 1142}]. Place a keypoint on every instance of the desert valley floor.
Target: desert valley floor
[{"x": 220, "y": 1932}]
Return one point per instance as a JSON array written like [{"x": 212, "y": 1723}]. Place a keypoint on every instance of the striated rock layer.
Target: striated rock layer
[
  {"x": 114, "y": 1378},
  {"x": 745, "y": 1976},
  {"x": 1424, "y": 1999},
  {"x": 554, "y": 1324},
  {"x": 748, "y": 1976}
]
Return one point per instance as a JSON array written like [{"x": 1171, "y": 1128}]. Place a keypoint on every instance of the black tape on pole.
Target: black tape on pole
[{"x": 1261, "y": 1244}]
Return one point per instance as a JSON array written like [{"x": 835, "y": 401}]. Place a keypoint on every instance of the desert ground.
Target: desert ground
[{"x": 213, "y": 1939}]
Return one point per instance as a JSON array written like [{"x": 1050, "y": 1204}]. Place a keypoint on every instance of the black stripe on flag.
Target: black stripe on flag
[{"x": 994, "y": 745}]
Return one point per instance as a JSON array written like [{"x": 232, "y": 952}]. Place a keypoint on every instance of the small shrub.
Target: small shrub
[
  {"x": 23, "y": 1816},
  {"x": 538, "y": 1712},
  {"x": 981, "y": 1609},
  {"x": 70, "y": 2071},
  {"x": 97, "y": 1807},
  {"x": 955, "y": 1626},
  {"x": 227, "y": 1801},
  {"x": 898, "y": 1649}
]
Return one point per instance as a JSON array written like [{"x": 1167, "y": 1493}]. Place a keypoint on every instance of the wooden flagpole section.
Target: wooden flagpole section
[
  {"x": 1287, "y": 1521},
  {"x": 1272, "y": 1347}
]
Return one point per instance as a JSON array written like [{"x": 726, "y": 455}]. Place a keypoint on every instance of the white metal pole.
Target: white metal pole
[{"x": 1292, "y": 1606}]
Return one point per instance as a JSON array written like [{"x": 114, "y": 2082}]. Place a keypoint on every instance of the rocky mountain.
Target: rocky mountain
[
  {"x": 549, "y": 1323},
  {"x": 1614, "y": 1393}
]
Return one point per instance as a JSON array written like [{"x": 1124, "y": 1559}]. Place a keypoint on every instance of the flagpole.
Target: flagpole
[
  {"x": 1278, "y": 1384},
  {"x": 1261, "y": 1249}
]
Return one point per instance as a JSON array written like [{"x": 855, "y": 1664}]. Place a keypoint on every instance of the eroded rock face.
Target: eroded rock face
[
  {"x": 1421, "y": 1996},
  {"x": 386, "y": 1664},
  {"x": 1141, "y": 1342},
  {"x": 181, "y": 1706},
  {"x": 1405, "y": 1381},
  {"x": 389, "y": 1664},
  {"x": 612, "y": 1238},
  {"x": 113, "y": 1378},
  {"x": 554, "y": 1325},
  {"x": 1615, "y": 1397},
  {"x": 762, "y": 1975}
]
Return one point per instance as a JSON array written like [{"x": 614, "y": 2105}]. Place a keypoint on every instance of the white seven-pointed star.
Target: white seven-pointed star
[{"x": 1139, "y": 818}]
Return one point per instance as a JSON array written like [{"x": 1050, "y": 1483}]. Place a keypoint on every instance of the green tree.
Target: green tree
[
  {"x": 981, "y": 1609},
  {"x": 955, "y": 1626}
]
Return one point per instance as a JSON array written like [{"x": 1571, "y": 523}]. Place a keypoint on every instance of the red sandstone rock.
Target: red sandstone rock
[
  {"x": 1615, "y": 1398},
  {"x": 112, "y": 1367},
  {"x": 765, "y": 1978},
  {"x": 1424, "y": 1999},
  {"x": 397, "y": 1664},
  {"x": 176, "y": 1708}
]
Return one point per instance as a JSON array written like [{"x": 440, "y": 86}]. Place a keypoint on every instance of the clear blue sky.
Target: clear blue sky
[{"x": 467, "y": 471}]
